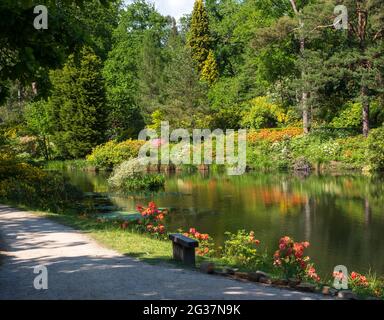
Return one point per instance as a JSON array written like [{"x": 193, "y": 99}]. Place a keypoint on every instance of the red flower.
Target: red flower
[{"x": 192, "y": 231}]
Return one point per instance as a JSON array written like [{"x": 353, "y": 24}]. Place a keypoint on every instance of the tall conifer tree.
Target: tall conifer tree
[
  {"x": 199, "y": 36},
  {"x": 78, "y": 105}
]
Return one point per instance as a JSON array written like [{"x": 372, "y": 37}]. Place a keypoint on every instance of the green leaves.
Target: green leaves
[
  {"x": 199, "y": 35},
  {"x": 78, "y": 105}
]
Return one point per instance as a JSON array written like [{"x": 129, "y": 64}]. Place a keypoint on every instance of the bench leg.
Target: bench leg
[{"x": 184, "y": 254}]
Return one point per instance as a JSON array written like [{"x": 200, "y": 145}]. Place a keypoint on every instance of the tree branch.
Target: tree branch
[
  {"x": 377, "y": 35},
  {"x": 294, "y": 7}
]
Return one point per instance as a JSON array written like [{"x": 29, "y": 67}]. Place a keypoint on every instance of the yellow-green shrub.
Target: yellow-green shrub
[
  {"x": 262, "y": 113},
  {"x": 112, "y": 153},
  {"x": 24, "y": 184}
]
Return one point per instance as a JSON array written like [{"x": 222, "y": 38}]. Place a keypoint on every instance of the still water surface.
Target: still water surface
[{"x": 341, "y": 216}]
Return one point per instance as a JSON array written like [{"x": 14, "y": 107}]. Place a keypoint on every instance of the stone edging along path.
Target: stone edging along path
[{"x": 79, "y": 268}]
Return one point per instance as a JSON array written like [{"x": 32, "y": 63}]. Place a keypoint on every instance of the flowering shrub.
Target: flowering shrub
[
  {"x": 206, "y": 246},
  {"x": 358, "y": 279},
  {"x": 292, "y": 262},
  {"x": 363, "y": 286},
  {"x": 273, "y": 135},
  {"x": 241, "y": 249},
  {"x": 366, "y": 285},
  {"x": 152, "y": 220}
]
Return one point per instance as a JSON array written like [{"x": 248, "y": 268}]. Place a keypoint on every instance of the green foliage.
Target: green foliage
[
  {"x": 78, "y": 105},
  {"x": 186, "y": 103},
  {"x": 375, "y": 149},
  {"x": 112, "y": 153},
  {"x": 331, "y": 148},
  {"x": 349, "y": 117},
  {"x": 199, "y": 35},
  {"x": 28, "y": 56},
  {"x": 133, "y": 69},
  {"x": 366, "y": 286},
  {"x": 157, "y": 117},
  {"x": 130, "y": 176},
  {"x": 209, "y": 72},
  {"x": 39, "y": 124},
  {"x": 143, "y": 183},
  {"x": 23, "y": 184},
  {"x": 263, "y": 114},
  {"x": 240, "y": 249}
]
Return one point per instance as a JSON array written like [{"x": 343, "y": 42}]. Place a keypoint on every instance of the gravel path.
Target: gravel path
[{"x": 79, "y": 268}]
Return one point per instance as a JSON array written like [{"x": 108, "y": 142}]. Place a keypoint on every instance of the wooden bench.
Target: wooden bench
[{"x": 183, "y": 248}]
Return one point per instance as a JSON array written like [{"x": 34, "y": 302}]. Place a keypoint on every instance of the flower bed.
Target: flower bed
[{"x": 289, "y": 265}]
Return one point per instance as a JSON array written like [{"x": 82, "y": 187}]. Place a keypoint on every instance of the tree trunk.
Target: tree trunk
[
  {"x": 365, "y": 105},
  {"x": 306, "y": 113},
  {"x": 305, "y": 94}
]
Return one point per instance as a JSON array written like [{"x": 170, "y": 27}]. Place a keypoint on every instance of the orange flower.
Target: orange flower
[
  {"x": 160, "y": 217},
  {"x": 204, "y": 237}
]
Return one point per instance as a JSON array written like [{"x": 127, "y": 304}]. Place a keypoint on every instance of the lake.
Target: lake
[{"x": 342, "y": 216}]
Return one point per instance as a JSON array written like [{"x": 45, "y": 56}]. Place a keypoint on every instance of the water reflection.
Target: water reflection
[{"x": 342, "y": 216}]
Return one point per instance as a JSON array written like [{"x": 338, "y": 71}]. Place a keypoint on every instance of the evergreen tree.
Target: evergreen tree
[
  {"x": 199, "y": 36},
  {"x": 78, "y": 105},
  {"x": 186, "y": 97},
  {"x": 210, "y": 71},
  {"x": 150, "y": 73},
  {"x": 126, "y": 80}
]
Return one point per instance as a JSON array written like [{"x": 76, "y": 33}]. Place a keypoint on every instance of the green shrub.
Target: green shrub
[
  {"x": 130, "y": 176},
  {"x": 263, "y": 114},
  {"x": 146, "y": 182},
  {"x": 353, "y": 151},
  {"x": 24, "y": 184},
  {"x": 375, "y": 149},
  {"x": 349, "y": 117},
  {"x": 241, "y": 249},
  {"x": 112, "y": 153}
]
